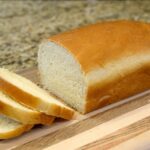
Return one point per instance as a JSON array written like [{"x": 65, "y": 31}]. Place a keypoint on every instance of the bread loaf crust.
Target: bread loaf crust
[
  {"x": 95, "y": 45},
  {"x": 15, "y": 132},
  {"x": 98, "y": 45},
  {"x": 133, "y": 83}
]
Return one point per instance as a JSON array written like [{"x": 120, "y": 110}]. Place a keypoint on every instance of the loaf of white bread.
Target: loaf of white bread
[
  {"x": 87, "y": 68},
  {"x": 98, "y": 64}
]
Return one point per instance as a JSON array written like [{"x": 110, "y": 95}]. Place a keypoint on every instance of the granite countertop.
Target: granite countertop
[{"x": 24, "y": 24}]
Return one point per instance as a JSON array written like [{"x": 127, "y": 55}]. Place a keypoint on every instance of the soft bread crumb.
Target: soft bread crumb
[{"x": 55, "y": 65}]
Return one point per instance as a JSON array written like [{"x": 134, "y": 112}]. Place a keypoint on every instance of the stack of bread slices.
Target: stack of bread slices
[{"x": 23, "y": 104}]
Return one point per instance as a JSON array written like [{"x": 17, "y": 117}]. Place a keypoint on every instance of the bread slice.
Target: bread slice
[
  {"x": 98, "y": 64},
  {"x": 29, "y": 94},
  {"x": 10, "y": 128},
  {"x": 21, "y": 113}
]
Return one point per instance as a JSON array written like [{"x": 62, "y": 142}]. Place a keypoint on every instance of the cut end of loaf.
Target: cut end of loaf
[{"x": 61, "y": 74}]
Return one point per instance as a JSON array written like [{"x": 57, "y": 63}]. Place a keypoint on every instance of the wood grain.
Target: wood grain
[
  {"x": 103, "y": 130},
  {"x": 140, "y": 142},
  {"x": 109, "y": 141},
  {"x": 120, "y": 136}
]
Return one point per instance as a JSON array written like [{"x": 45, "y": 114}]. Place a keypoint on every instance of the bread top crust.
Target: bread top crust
[{"x": 96, "y": 45}]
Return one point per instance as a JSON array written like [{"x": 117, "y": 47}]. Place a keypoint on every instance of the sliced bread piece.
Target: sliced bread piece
[
  {"x": 29, "y": 94},
  {"x": 20, "y": 113},
  {"x": 10, "y": 128}
]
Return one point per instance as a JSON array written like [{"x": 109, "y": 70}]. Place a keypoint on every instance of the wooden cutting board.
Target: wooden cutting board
[{"x": 124, "y": 125}]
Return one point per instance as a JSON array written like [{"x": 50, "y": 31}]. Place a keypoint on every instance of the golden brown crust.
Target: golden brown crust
[
  {"x": 34, "y": 102},
  {"x": 18, "y": 94},
  {"x": 15, "y": 132},
  {"x": 108, "y": 40},
  {"x": 25, "y": 117},
  {"x": 61, "y": 112},
  {"x": 130, "y": 85}
]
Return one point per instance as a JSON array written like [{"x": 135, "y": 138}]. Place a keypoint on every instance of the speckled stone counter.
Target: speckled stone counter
[{"x": 23, "y": 25}]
